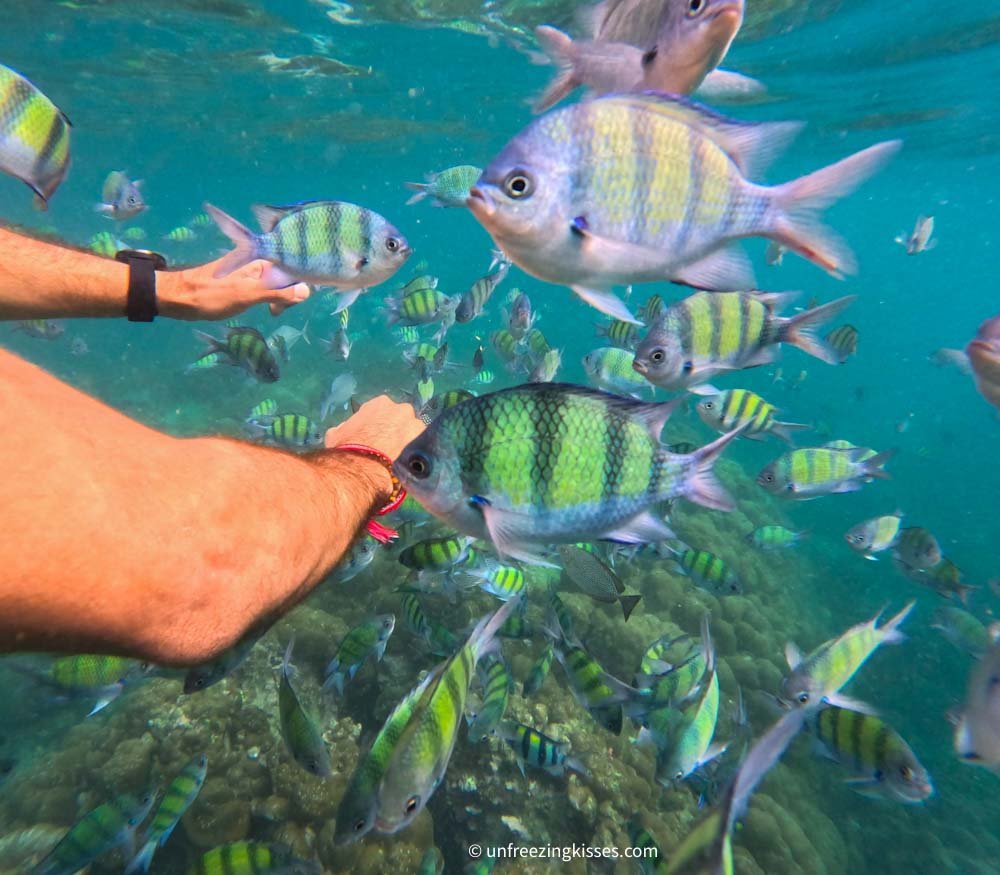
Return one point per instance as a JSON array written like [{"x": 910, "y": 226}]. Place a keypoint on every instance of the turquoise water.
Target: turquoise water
[{"x": 181, "y": 95}]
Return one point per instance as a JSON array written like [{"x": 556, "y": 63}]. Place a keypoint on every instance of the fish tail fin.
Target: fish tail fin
[
  {"x": 796, "y": 224},
  {"x": 707, "y": 648},
  {"x": 963, "y": 591},
  {"x": 783, "y": 429},
  {"x": 241, "y": 235},
  {"x": 482, "y": 639},
  {"x": 873, "y": 466},
  {"x": 421, "y": 191},
  {"x": 628, "y": 603},
  {"x": 701, "y": 485},
  {"x": 890, "y": 629},
  {"x": 287, "y": 669},
  {"x": 798, "y": 330},
  {"x": 142, "y": 861},
  {"x": 559, "y": 48}
]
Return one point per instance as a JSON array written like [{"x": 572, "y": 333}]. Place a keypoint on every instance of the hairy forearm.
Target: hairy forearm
[
  {"x": 117, "y": 538},
  {"x": 42, "y": 280}
]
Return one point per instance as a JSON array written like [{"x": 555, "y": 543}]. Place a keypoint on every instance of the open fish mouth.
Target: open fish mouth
[{"x": 639, "y": 367}]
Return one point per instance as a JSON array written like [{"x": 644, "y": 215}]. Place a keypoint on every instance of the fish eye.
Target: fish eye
[
  {"x": 392, "y": 244},
  {"x": 905, "y": 772},
  {"x": 419, "y": 466},
  {"x": 709, "y": 405},
  {"x": 678, "y": 776},
  {"x": 769, "y": 478},
  {"x": 803, "y": 697},
  {"x": 657, "y": 356},
  {"x": 695, "y": 7},
  {"x": 517, "y": 184},
  {"x": 411, "y": 804},
  {"x": 359, "y": 825}
]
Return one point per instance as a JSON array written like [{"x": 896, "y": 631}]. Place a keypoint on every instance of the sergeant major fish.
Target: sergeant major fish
[
  {"x": 120, "y": 197},
  {"x": 242, "y": 347},
  {"x": 298, "y": 728},
  {"x": 821, "y": 675},
  {"x": 34, "y": 136},
  {"x": 736, "y": 407},
  {"x": 368, "y": 639},
  {"x": 549, "y": 463},
  {"x": 406, "y": 763},
  {"x": 589, "y": 223},
  {"x": 874, "y": 535},
  {"x": 329, "y": 243},
  {"x": 448, "y": 188},
  {"x": 708, "y": 334},
  {"x": 812, "y": 472},
  {"x": 180, "y": 794}
]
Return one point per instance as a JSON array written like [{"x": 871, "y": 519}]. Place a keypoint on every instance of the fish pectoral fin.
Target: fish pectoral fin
[
  {"x": 502, "y": 526},
  {"x": 643, "y": 529},
  {"x": 850, "y": 704},
  {"x": 714, "y": 751},
  {"x": 703, "y": 389},
  {"x": 345, "y": 299},
  {"x": 275, "y": 277},
  {"x": 606, "y": 302},
  {"x": 793, "y": 656},
  {"x": 725, "y": 268}
]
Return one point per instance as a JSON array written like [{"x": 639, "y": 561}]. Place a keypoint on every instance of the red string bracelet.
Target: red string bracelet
[{"x": 382, "y": 534}]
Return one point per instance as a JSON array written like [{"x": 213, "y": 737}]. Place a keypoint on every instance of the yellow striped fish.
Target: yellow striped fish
[
  {"x": 814, "y": 471},
  {"x": 636, "y": 188},
  {"x": 741, "y": 407},
  {"x": 34, "y": 136},
  {"x": 708, "y": 334}
]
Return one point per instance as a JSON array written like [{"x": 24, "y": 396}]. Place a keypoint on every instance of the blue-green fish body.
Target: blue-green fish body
[
  {"x": 734, "y": 408},
  {"x": 104, "y": 828},
  {"x": 295, "y": 430},
  {"x": 267, "y": 407},
  {"x": 431, "y": 863},
  {"x": 245, "y": 348},
  {"x": 503, "y": 581},
  {"x": 476, "y": 298},
  {"x": 421, "y": 306},
  {"x": 539, "y": 671},
  {"x": 820, "y": 675},
  {"x": 962, "y": 629},
  {"x": 180, "y": 794},
  {"x": 298, "y": 728},
  {"x": 709, "y": 334},
  {"x": 105, "y": 244},
  {"x": 775, "y": 537},
  {"x": 368, "y": 639},
  {"x": 405, "y": 764},
  {"x": 623, "y": 335},
  {"x": 634, "y": 188},
  {"x": 875, "y": 535},
  {"x": 447, "y": 188},
  {"x": 358, "y": 558},
  {"x": 34, "y": 136},
  {"x": 610, "y": 368},
  {"x": 494, "y": 675},
  {"x": 252, "y": 858},
  {"x": 691, "y": 746},
  {"x": 706, "y": 569},
  {"x": 201, "y": 677},
  {"x": 596, "y": 690},
  {"x": 811, "y": 472},
  {"x": 328, "y": 243},
  {"x": 881, "y": 762},
  {"x": 549, "y": 463}
]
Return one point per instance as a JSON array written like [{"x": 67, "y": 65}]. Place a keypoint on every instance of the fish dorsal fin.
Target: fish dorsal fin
[
  {"x": 793, "y": 656},
  {"x": 751, "y": 145},
  {"x": 655, "y": 416},
  {"x": 269, "y": 216}
]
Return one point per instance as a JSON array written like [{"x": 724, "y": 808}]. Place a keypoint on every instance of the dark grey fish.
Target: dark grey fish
[{"x": 594, "y": 577}]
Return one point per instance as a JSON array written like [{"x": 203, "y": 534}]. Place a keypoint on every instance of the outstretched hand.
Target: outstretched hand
[
  {"x": 196, "y": 293},
  {"x": 381, "y": 423}
]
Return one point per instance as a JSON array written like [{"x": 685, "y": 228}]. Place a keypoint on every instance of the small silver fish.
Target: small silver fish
[
  {"x": 977, "y": 733},
  {"x": 120, "y": 197},
  {"x": 341, "y": 390},
  {"x": 919, "y": 240}
]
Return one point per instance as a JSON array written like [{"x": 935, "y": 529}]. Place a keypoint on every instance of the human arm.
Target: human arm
[
  {"x": 42, "y": 280},
  {"x": 116, "y": 538}
]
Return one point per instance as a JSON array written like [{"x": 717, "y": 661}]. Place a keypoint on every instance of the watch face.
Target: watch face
[{"x": 126, "y": 256}]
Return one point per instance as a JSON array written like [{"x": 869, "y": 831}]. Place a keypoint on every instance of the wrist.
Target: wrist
[
  {"x": 173, "y": 295},
  {"x": 369, "y": 475}
]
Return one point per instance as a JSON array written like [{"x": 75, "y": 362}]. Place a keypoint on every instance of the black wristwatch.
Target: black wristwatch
[{"x": 143, "y": 264}]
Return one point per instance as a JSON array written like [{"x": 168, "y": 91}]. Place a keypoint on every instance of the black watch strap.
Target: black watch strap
[{"x": 143, "y": 264}]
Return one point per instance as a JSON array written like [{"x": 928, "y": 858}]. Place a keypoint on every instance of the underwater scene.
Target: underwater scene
[{"x": 697, "y": 568}]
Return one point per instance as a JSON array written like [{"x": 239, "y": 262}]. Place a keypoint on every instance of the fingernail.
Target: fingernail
[{"x": 302, "y": 291}]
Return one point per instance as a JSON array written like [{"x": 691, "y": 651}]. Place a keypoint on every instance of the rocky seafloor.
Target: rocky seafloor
[{"x": 803, "y": 820}]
